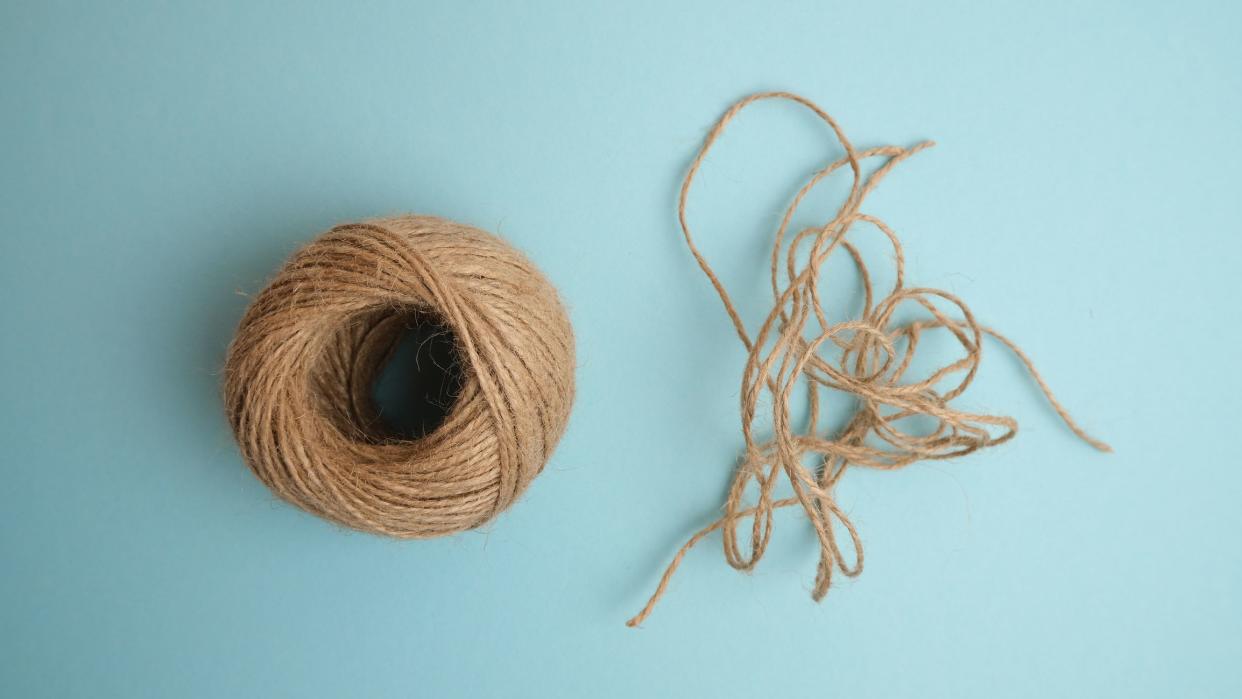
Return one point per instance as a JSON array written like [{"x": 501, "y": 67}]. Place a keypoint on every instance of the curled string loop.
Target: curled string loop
[{"x": 867, "y": 357}]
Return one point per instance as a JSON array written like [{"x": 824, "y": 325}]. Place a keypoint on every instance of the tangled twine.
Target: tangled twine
[
  {"x": 299, "y": 374},
  {"x": 874, "y": 353}
]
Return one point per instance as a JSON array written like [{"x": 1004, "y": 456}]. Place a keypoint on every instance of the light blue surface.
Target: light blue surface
[{"x": 1083, "y": 197}]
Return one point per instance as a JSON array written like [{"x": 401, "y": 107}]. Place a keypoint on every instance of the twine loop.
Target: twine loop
[{"x": 867, "y": 357}]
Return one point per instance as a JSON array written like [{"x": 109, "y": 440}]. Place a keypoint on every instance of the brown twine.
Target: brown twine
[
  {"x": 873, "y": 354},
  {"x": 298, "y": 378}
]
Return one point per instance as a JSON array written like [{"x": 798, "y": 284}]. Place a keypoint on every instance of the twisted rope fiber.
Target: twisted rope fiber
[
  {"x": 870, "y": 357},
  {"x": 299, "y": 372}
]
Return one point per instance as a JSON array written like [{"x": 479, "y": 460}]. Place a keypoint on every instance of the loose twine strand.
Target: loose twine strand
[{"x": 875, "y": 351}]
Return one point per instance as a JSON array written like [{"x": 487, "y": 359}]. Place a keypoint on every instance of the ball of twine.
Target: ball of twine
[{"x": 300, "y": 370}]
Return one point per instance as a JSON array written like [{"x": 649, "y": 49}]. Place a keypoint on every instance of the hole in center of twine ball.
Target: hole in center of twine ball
[
  {"x": 390, "y": 375},
  {"x": 420, "y": 382}
]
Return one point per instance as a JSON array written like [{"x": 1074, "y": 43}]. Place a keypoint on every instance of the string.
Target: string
[{"x": 866, "y": 357}]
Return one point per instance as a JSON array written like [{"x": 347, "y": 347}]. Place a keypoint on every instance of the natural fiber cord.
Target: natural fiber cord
[
  {"x": 299, "y": 374},
  {"x": 866, "y": 357}
]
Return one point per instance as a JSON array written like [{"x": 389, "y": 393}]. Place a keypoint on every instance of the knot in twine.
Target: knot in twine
[
  {"x": 299, "y": 374},
  {"x": 866, "y": 357}
]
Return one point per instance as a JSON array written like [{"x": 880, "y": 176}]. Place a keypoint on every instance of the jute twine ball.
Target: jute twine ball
[{"x": 299, "y": 375}]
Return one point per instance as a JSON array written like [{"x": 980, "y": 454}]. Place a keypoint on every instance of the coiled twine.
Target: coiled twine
[{"x": 299, "y": 373}]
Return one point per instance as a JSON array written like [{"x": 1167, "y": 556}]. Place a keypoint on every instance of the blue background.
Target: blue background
[{"x": 156, "y": 158}]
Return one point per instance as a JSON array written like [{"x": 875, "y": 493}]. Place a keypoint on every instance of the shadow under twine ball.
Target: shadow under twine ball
[{"x": 300, "y": 375}]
